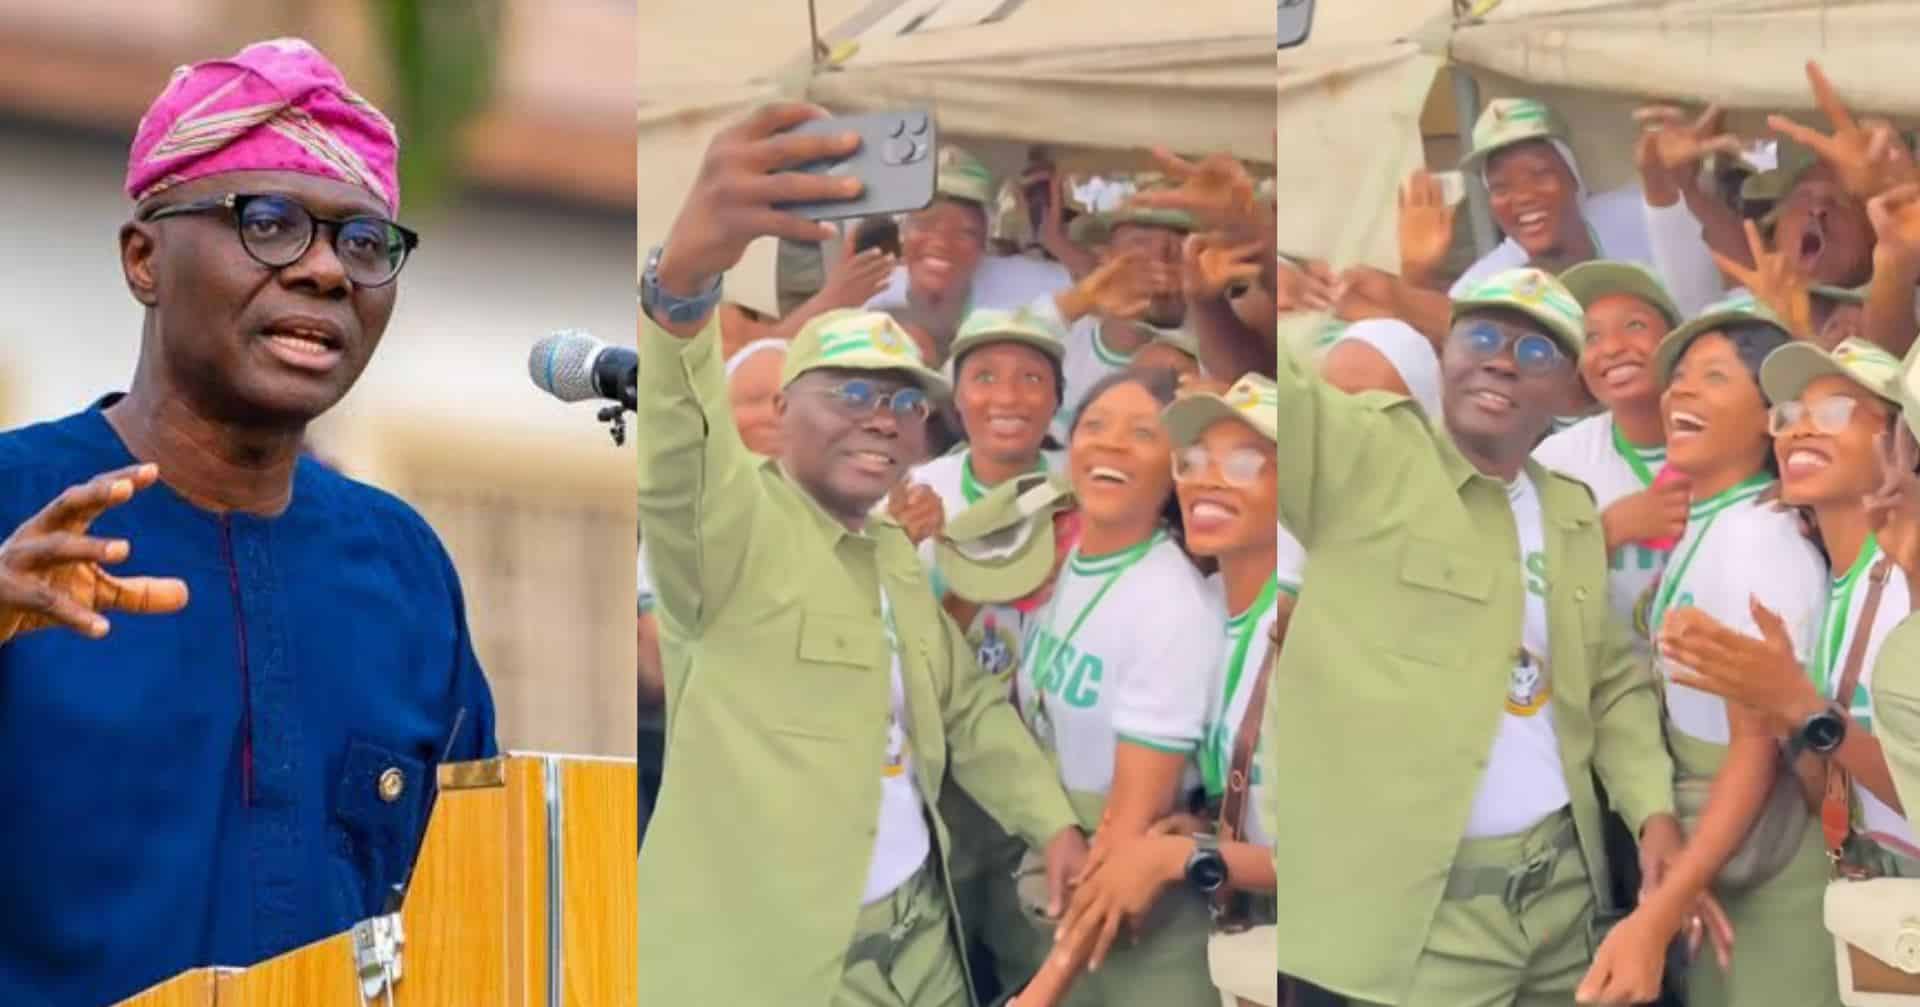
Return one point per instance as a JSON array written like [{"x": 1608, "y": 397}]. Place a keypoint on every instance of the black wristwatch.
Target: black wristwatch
[
  {"x": 1206, "y": 868},
  {"x": 1821, "y": 734},
  {"x": 665, "y": 306}
]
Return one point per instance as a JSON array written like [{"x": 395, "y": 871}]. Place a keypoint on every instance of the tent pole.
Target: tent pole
[
  {"x": 1466, "y": 108},
  {"x": 813, "y": 32}
]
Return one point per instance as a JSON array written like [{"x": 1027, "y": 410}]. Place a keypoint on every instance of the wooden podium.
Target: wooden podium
[{"x": 522, "y": 896}]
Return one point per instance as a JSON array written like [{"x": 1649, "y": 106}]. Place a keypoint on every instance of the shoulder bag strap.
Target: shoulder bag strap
[{"x": 1836, "y": 808}]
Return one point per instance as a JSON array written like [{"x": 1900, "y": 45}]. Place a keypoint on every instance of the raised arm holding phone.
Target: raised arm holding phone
[{"x": 817, "y": 694}]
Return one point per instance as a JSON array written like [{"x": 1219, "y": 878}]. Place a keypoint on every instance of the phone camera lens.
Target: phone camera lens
[{"x": 899, "y": 151}]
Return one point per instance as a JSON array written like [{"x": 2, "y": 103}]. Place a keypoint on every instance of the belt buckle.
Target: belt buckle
[{"x": 1529, "y": 879}]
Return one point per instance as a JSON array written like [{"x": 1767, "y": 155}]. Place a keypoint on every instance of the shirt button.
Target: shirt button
[
  {"x": 392, "y": 784},
  {"x": 1579, "y": 594}
]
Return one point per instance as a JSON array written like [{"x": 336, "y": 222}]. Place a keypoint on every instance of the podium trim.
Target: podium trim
[{"x": 474, "y": 775}]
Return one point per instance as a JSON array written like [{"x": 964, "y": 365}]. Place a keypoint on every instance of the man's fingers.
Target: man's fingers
[
  {"x": 788, "y": 187},
  {"x": 1103, "y": 941},
  {"x": 1709, "y": 121},
  {"x": 141, "y": 595},
  {"x": 1829, "y": 101},
  {"x": 792, "y": 226},
  {"x": 44, "y": 551},
  {"x": 1755, "y": 243},
  {"x": 1728, "y": 145},
  {"x": 1174, "y": 165},
  {"x": 777, "y": 153},
  {"x": 1657, "y": 115},
  {"x": 53, "y": 604},
  {"x": 1813, "y": 140},
  {"x": 777, "y": 118},
  {"x": 77, "y": 506},
  {"x": 1741, "y": 274}
]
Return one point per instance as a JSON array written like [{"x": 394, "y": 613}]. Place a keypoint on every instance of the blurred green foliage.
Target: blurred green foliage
[{"x": 442, "y": 55}]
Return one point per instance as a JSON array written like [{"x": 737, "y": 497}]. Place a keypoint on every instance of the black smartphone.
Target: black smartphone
[{"x": 896, "y": 161}]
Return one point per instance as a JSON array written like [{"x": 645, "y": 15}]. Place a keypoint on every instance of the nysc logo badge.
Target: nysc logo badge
[
  {"x": 994, "y": 645},
  {"x": 1527, "y": 688}
]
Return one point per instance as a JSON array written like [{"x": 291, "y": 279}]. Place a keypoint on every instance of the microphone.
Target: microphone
[{"x": 573, "y": 366}]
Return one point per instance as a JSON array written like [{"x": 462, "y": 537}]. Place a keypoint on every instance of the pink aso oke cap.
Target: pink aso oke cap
[{"x": 273, "y": 106}]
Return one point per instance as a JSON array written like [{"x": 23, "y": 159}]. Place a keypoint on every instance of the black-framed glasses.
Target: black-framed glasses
[
  {"x": 277, "y": 230},
  {"x": 1240, "y": 467},
  {"x": 859, "y": 397},
  {"x": 1533, "y": 353}
]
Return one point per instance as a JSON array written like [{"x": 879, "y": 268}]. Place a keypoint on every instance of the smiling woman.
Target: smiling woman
[{"x": 1738, "y": 551}]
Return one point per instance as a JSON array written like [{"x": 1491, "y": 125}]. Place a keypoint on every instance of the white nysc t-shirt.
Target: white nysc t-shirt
[
  {"x": 1594, "y": 452},
  {"x": 1124, "y": 649},
  {"x": 1735, "y": 548},
  {"x": 1525, "y": 781},
  {"x": 901, "y": 842}
]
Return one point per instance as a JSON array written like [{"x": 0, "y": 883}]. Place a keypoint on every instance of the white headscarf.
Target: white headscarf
[
  {"x": 1410, "y": 353},
  {"x": 740, "y": 356}
]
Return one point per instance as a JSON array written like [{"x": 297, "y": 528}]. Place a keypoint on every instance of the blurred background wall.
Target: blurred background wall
[{"x": 525, "y": 204}]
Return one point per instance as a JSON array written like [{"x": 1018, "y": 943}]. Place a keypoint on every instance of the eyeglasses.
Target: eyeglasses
[
  {"x": 1830, "y": 415},
  {"x": 276, "y": 231},
  {"x": 1533, "y": 353},
  {"x": 861, "y": 398},
  {"x": 1239, "y": 467}
]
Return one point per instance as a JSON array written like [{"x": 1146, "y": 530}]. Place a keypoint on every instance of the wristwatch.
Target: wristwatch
[
  {"x": 1821, "y": 734},
  {"x": 1206, "y": 868},
  {"x": 666, "y": 307}
]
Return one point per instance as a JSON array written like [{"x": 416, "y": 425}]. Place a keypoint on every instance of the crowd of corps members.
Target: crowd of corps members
[
  {"x": 1133, "y": 662},
  {"x": 1671, "y": 439}
]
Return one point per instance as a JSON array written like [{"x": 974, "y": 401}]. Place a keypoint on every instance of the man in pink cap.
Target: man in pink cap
[{"x": 242, "y": 761}]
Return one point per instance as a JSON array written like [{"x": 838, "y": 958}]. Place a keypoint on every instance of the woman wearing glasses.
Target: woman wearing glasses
[
  {"x": 1114, "y": 679},
  {"x": 1831, "y": 411},
  {"x": 1739, "y": 550},
  {"x": 1222, "y": 464}
]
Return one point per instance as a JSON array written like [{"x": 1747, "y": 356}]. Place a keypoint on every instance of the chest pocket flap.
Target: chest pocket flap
[
  {"x": 1437, "y": 567},
  {"x": 840, "y": 639}
]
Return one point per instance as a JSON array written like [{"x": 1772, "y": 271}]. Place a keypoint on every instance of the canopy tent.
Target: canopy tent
[
  {"x": 1368, "y": 113},
  {"x": 1076, "y": 75}
]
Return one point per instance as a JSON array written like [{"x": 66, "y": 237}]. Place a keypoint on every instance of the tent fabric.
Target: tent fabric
[
  {"x": 1195, "y": 76},
  {"x": 1356, "y": 91}
]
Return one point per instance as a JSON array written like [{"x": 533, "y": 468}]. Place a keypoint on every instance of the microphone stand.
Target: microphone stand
[{"x": 616, "y": 415}]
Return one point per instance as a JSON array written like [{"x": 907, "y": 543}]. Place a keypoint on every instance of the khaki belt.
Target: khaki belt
[{"x": 1516, "y": 883}]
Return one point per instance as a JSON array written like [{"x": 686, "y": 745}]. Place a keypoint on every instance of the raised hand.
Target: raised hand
[
  {"x": 1895, "y": 215},
  {"x": 1864, "y": 169},
  {"x": 1216, "y": 190},
  {"x": 1674, "y": 143},
  {"x": 917, "y": 509},
  {"x": 855, "y": 278},
  {"x": 1122, "y": 287},
  {"x": 1655, "y": 513},
  {"x": 1310, "y": 287},
  {"x": 1893, "y": 508},
  {"x": 50, "y": 568},
  {"x": 1364, "y": 292},
  {"x": 1426, "y": 228},
  {"x": 1210, "y": 266},
  {"x": 742, "y": 177},
  {"x": 1775, "y": 281}
]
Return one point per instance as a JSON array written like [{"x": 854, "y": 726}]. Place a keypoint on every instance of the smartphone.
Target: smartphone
[
  {"x": 896, "y": 159},
  {"x": 1296, "y": 21}
]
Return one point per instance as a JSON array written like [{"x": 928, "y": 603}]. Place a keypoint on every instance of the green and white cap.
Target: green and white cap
[
  {"x": 1253, "y": 400},
  {"x": 1590, "y": 281},
  {"x": 986, "y": 326},
  {"x": 855, "y": 339},
  {"x": 1536, "y": 294},
  {"x": 1736, "y": 308},
  {"x": 1840, "y": 295},
  {"x": 960, "y": 175},
  {"x": 1508, "y": 121},
  {"x": 1788, "y": 370},
  {"x": 1001, "y": 548},
  {"x": 1180, "y": 339}
]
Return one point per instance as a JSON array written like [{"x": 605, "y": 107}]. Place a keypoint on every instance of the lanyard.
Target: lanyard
[
  {"x": 1242, "y": 627},
  {"x": 1632, "y": 456},
  {"x": 970, "y": 487},
  {"x": 1123, "y": 562},
  {"x": 1710, "y": 510},
  {"x": 1834, "y": 630}
]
